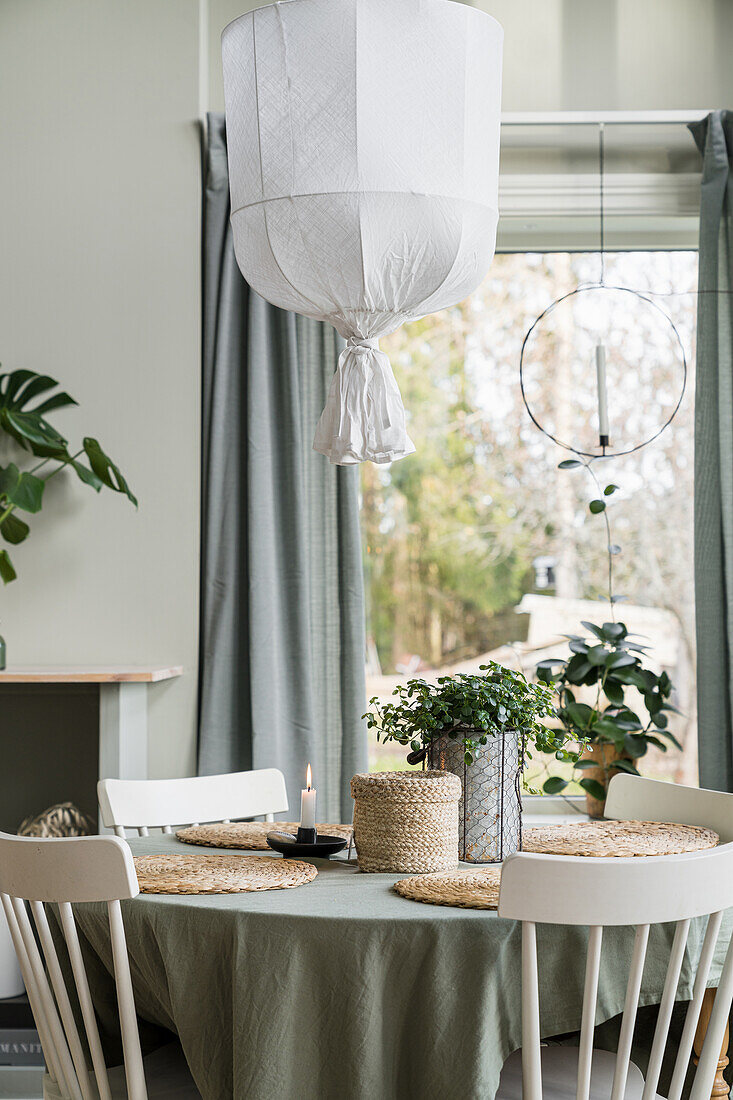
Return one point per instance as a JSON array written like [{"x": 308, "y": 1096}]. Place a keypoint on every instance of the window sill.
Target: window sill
[{"x": 538, "y": 809}]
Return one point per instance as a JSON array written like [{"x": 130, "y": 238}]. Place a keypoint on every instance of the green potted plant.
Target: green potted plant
[
  {"x": 26, "y": 399},
  {"x": 606, "y": 664},
  {"x": 480, "y": 727}
]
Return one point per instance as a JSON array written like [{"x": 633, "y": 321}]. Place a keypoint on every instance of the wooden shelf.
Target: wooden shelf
[
  {"x": 89, "y": 674},
  {"x": 64, "y": 727}
]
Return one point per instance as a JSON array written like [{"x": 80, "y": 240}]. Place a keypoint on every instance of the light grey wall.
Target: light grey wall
[
  {"x": 563, "y": 55},
  {"x": 100, "y": 287}
]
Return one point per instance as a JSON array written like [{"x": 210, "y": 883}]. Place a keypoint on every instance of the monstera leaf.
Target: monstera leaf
[
  {"x": 105, "y": 470},
  {"x": 7, "y": 569},
  {"x": 23, "y": 416}
]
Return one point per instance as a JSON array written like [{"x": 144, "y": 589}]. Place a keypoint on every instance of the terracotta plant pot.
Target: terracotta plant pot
[{"x": 605, "y": 755}]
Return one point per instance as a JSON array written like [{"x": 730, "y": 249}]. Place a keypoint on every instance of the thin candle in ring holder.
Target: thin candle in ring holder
[{"x": 605, "y": 452}]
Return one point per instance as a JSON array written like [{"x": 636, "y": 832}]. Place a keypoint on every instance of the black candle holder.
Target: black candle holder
[{"x": 306, "y": 842}]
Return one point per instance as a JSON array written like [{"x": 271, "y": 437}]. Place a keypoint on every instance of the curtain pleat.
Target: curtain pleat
[
  {"x": 714, "y": 456},
  {"x": 282, "y": 635}
]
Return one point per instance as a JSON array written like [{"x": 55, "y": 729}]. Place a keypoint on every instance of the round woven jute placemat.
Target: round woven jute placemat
[
  {"x": 249, "y": 835},
  {"x": 617, "y": 838},
  {"x": 219, "y": 874},
  {"x": 477, "y": 889}
]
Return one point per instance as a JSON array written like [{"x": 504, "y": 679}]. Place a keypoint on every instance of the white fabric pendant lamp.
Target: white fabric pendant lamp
[{"x": 363, "y": 145}]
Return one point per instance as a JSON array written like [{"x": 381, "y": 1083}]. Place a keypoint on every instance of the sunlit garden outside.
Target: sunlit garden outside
[{"x": 478, "y": 547}]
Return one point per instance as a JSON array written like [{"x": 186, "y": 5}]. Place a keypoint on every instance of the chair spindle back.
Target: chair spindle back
[
  {"x": 567, "y": 890},
  {"x": 144, "y": 804},
  {"x": 62, "y": 871}
]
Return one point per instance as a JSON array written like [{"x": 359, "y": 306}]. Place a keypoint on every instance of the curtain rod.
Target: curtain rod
[{"x": 609, "y": 118}]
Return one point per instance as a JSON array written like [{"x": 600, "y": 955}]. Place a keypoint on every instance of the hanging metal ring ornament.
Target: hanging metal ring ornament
[
  {"x": 605, "y": 452},
  {"x": 604, "y": 442}
]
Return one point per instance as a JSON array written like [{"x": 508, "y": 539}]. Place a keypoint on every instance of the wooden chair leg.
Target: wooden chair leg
[{"x": 720, "y": 1087}]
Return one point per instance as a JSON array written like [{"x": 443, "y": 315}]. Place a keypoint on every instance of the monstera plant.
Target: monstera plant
[{"x": 26, "y": 400}]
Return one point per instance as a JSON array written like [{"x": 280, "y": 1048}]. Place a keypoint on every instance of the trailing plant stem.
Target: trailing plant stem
[
  {"x": 609, "y": 543},
  {"x": 61, "y": 464}
]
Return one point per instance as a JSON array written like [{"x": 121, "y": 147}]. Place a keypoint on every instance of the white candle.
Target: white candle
[
  {"x": 308, "y": 803},
  {"x": 603, "y": 429}
]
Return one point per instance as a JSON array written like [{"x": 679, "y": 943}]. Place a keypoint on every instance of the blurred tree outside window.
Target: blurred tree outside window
[{"x": 478, "y": 546}]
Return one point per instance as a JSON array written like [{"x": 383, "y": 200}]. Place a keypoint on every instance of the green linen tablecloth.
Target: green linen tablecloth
[{"x": 342, "y": 990}]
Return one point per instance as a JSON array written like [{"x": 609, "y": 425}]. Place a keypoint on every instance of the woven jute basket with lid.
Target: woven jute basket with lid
[{"x": 406, "y": 821}]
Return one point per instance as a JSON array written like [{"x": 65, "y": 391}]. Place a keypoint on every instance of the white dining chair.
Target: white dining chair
[
  {"x": 63, "y": 872},
  {"x": 145, "y": 804},
  {"x": 572, "y": 890},
  {"x": 634, "y": 798}
]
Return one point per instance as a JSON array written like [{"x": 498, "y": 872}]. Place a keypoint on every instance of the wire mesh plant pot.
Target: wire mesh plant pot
[{"x": 490, "y": 809}]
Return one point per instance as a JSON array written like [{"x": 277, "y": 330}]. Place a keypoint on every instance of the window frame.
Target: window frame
[
  {"x": 543, "y": 212},
  {"x": 651, "y": 182}
]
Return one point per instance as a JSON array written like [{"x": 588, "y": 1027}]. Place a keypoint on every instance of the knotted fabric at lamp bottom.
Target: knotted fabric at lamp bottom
[{"x": 364, "y": 418}]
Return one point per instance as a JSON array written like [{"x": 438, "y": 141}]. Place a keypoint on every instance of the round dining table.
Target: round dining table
[{"x": 340, "y": 989}]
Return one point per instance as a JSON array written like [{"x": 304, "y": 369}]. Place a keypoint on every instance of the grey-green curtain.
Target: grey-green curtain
[
  {"x": 714, "y": 455},
  {"x": 282, "y": 605}
]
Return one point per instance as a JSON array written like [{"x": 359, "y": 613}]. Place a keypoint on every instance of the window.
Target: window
[{"x": 478, "y": 545}]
